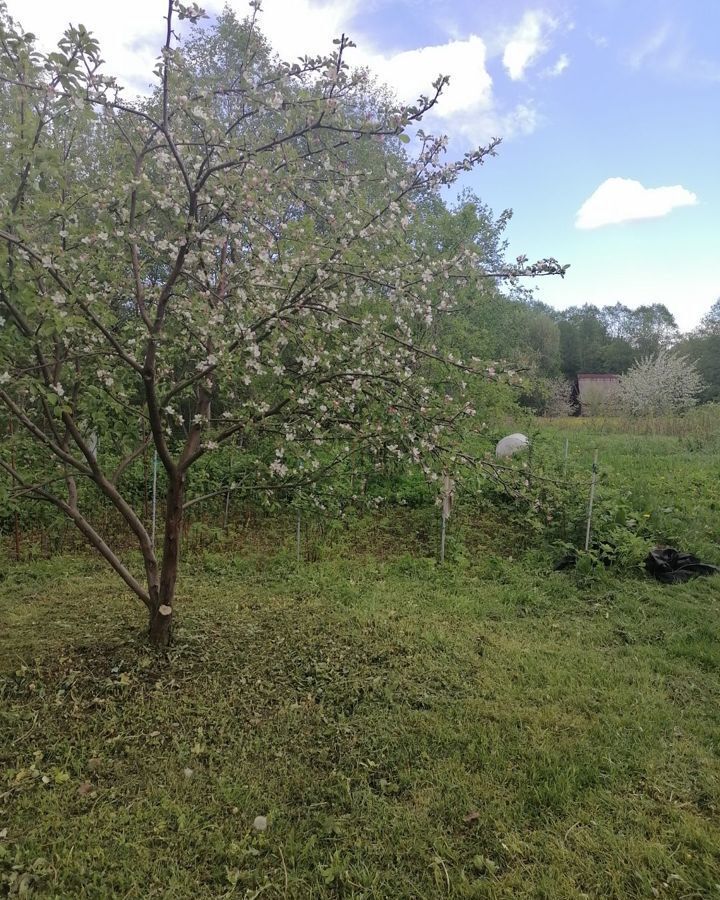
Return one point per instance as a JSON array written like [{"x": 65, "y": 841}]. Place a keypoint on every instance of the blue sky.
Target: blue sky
[{"x": 609, "y": 111}]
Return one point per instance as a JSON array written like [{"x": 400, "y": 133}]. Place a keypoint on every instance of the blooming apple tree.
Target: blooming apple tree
[{"x": 231, "y": 259}]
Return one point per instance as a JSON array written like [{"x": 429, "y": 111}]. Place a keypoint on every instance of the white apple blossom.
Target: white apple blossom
[{"x": 238, "y": 258}]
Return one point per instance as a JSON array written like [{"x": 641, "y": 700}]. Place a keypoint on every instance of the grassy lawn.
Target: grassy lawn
[{"x": 488, "y": 729}]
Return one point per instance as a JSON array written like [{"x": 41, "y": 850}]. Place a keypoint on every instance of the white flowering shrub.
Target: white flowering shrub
[
  {"x": 237, "y": 258},
  {"x": 663, "y": 384},
  {"x": 559, "y": 398}
]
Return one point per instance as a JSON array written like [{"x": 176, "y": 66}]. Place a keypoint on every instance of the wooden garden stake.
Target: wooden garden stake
[
  {"x": 592, "y": 498},
  {"x": 227, "y": 495},
  {"x": 447, "y": 495}
]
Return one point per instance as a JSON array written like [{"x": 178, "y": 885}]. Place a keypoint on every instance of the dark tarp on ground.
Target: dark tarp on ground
[{"x": 672, "y": 566}]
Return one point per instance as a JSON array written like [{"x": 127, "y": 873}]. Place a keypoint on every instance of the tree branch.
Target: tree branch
[{"x": 86, "y": 529}]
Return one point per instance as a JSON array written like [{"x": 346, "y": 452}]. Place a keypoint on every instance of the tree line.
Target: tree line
[{"x": 550, "y": 343}]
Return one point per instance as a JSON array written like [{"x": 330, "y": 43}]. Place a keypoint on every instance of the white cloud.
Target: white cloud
[
  {"x": 477, "y": 127},
  {"x": 668, "y": 51},
  {"x": 649, "y": 46},
  {"x": 625, "y": 200},
  {"x": 562, "y": 62},
  {"x": 467, "y": 109},
  {"x": 131, "y": 45},
  {"x": 527, "y": 42},
  {"x": 413, "y": 71},
  {"x": 299, "y": 27},
  {"x": 467, "y": 105},
  {"x": 295, "y": 27}
]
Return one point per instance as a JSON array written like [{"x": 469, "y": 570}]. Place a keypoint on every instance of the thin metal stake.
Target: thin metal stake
[
  {"x": 447, "y": 495},
  {"x": 592, "y": 498},
  {"x": 227, "y": 510},
  {"x": 16, "y": 517},
  {"x": 154, "y": 497},
  {"x": 145, "y": 477},
  {"x": 227, "y": 497}
]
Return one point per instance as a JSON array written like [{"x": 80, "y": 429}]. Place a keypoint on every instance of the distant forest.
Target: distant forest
[{"x": 551, "y": 343}]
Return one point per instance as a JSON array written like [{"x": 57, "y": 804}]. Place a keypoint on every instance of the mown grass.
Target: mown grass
[{"x": 490, "y": 728}]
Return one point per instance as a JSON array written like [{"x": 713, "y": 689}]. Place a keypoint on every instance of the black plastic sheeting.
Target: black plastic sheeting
[{"x": 673, "y": 566}]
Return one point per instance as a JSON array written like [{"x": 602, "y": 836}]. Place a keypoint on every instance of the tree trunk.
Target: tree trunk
[
  {"x": 161, "y": 610},
  {"x": 160, "y": 631}
]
